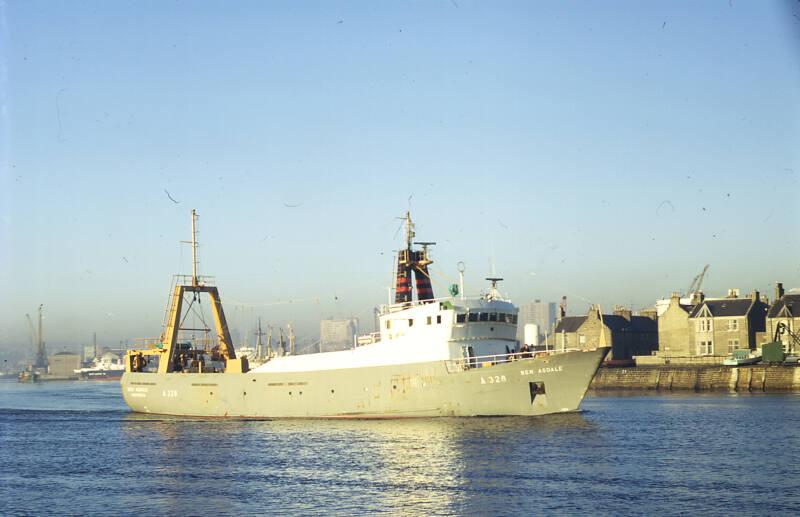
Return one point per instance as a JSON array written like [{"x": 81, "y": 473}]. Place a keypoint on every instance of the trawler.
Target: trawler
[{"x": 432, "y": 357}]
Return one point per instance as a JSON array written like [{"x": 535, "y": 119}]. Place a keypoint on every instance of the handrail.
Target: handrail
[
  {"x": 396, "y": 307},
  {"x": 366, "y": 339},
  {"x": 465, "y": 363}
]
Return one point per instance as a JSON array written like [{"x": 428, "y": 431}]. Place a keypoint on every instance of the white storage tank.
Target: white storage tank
[{"x": 531, "y": 334}]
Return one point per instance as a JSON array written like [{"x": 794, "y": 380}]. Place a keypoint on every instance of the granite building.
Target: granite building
[{"x": 718, "y": 326}]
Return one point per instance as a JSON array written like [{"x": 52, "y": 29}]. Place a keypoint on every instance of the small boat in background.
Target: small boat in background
[{"x": 741, "y": 358}]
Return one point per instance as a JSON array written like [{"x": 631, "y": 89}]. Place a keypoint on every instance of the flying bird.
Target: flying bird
[{"x": 170, "y": 197}]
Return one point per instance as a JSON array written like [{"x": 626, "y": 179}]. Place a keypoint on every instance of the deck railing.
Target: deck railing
[
  {"x": 484, "y": 361},
  {"x": 396, "y": 307}
]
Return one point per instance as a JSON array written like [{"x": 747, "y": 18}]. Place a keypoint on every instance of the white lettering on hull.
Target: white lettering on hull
[
  {"x": 546, "y": 369},
  {"x": 137, "y": 391}
]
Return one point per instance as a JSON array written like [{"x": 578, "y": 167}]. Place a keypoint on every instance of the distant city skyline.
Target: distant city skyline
[{"x": 602, "y": 154}]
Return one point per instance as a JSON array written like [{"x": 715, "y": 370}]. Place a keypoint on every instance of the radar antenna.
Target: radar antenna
[{"x": 493, "y": 294}]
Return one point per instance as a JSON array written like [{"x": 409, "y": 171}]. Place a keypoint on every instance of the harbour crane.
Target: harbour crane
[
  {"x": 40, "y": 360},
  {"x": 697, "y": 283},
  {"x": 793, "y": 341},
  {"x": 30, "y": 325}
]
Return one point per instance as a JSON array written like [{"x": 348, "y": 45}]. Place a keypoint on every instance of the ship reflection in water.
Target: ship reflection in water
[
  {"x": 75, "y": 449},
  {"x": 425, "y": 466}
]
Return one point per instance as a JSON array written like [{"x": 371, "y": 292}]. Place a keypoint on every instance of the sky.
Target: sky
[{"x": 605, "y": 151}]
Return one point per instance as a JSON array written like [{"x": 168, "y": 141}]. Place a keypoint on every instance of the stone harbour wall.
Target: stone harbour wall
[{"x": 766, "y": 378}]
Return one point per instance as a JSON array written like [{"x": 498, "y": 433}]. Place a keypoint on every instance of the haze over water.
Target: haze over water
[{"x": 74, "y": 448}]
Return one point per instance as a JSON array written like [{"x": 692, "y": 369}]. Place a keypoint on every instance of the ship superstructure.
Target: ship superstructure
[{"x": 447, "y": 356}]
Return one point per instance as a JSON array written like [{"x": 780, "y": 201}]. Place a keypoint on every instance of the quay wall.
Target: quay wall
[{"x": 765, "y": 378}]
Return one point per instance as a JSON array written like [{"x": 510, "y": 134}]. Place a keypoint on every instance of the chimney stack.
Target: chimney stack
[
  {"x": 619, "y": 310},
  {"x": 778, "y": 291}
]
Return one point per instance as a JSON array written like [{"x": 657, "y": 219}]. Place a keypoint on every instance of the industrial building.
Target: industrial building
[
  {"x": 63, "y": 364},
  {"x": 539, "y": 313},
  {"x": 337, "y": 334}
]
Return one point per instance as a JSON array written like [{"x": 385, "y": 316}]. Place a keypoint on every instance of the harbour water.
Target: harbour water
[{"x": 75, "y": 449}]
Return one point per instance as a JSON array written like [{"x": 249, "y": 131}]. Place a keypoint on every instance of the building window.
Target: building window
[
  {"x": 705, "y": 348},
  {"x": 581, "y": 339},
  {"x": 733, "y": 344},
  {"x": 438, "y": 318},
  {"x": 704, "y": 325},
  {"x": 733, "y": 325}
]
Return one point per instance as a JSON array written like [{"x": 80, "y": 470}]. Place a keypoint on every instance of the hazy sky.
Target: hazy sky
[{"x": 601, "y": 150}]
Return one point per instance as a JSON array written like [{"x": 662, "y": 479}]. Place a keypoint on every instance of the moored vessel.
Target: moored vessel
[
  {"x": 447, "y": 356},
  {"x": 107, "y": 367}
]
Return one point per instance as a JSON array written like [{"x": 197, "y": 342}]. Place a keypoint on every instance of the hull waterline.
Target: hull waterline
[{"x": 533, "y": 386}]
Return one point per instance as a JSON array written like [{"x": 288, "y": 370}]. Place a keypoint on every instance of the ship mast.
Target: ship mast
[
  {"x": 409, "y": 231},
  {"x": 258, "y": 341},
  {"x": 411, "y": 262},
  {"x": 194, "y": 248}
]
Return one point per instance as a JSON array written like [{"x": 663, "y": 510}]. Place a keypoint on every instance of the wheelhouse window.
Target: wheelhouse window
[
  {"x": 438, "y": 318},
  {"x": 514, "y": 319},
  {"x": 473, "y": 316},
  {"x": 484, "y": 316},
  {"x": 461, "y": 318},
  {"x": 410, "y": 322}
]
